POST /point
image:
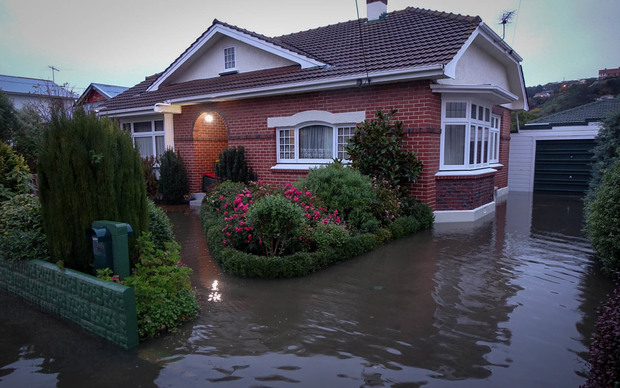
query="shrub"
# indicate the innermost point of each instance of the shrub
(173, 183)
(21, 229)
(164, 297)
(329, 235)
(348, 191)
(14, 173)
(377, 150)
(160, 226)
(152, 185)
(88, 170)
(232, 166)
(276, 222)
(606, 149)
(605, 347)
(603, 218)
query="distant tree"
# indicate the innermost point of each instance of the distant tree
(8, 118)
(606, 149)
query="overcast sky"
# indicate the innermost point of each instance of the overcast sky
(119, 42)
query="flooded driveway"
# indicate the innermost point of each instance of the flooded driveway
(508, 301)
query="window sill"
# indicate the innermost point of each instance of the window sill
(229, 72)
(299, 166)
(480, 171)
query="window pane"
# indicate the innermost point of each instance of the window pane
(456, 109)
(144, 126)
(144, 146)
(126, 127)
(344, 134)
(287, 144)
(474, 108)
(229, 58)
(480, 113)
(472, 145)
(454, 145)
(479, 145)
(485, 145)
(159, 125)
(160, 146)
(487, 115)
(315, 142)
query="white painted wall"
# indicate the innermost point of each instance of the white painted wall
(209, 61)
(523, 151)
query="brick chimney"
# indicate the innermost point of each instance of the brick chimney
(375, 9)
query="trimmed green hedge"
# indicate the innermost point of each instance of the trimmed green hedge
(302, 263)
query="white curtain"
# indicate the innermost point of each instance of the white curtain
(454, 145)
(144, 146)
(315, 142)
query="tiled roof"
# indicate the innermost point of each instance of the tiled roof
(412, 38)
(584, 114)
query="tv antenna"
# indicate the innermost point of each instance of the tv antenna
(53, 70)
(505, 19)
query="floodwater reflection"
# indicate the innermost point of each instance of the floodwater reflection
(507, 301)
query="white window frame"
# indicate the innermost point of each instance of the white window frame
(346, 121)
(153, 134)
(476, 130)
(230, 52)
(294, 131)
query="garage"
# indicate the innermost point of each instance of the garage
(563, 166)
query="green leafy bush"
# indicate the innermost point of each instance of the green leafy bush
(173, 184)
(603, 218)
(14, 173)
(164, 297)
(232, 166)
(377, 150)
(348, 191)
(276, 221)
(152, 185)
(21, 229)
(607, 148)
(88, 170)
(160, 226)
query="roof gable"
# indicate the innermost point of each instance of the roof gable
(219, 29)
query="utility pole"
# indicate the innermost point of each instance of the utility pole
(53, 70)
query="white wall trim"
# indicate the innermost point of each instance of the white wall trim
(444, 216)
(480, 171)
(316, 115)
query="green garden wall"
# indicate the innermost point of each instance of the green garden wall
(104, 308)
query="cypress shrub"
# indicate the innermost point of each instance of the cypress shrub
(88, 170)
(232, 166)
(173, 184)
(14, 173)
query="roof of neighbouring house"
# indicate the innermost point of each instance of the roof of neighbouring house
(32, 86)
(409, 39)
(582, 115)
(107, 91)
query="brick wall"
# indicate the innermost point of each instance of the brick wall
(464, 192)
(245, 122)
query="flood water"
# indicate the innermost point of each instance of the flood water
(508, 301)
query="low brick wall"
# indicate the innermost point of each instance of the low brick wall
(464, 192)
(104, 308)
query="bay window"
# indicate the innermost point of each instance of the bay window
(470, 136)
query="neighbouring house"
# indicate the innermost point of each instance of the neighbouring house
(96, 94)
(24, 91)
(294, 100)
(545, 94)
(609, 73)
(553, 154)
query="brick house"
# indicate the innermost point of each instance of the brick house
(293, 101)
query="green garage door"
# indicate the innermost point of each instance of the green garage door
(563, 166)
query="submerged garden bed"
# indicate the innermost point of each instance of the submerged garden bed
(332, 215)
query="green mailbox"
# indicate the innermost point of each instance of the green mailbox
(111, 246)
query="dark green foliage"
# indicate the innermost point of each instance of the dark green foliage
(8, 118)
(88, 170)
(603, 218)
(606, 149)
(605, 347)
(377, 150)
(164, 297)
(173, 184)
(152, 185)
(232, 166)
(276, 221)
(160, 226)
(349, 192)
(14, 173)
(21, 229)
